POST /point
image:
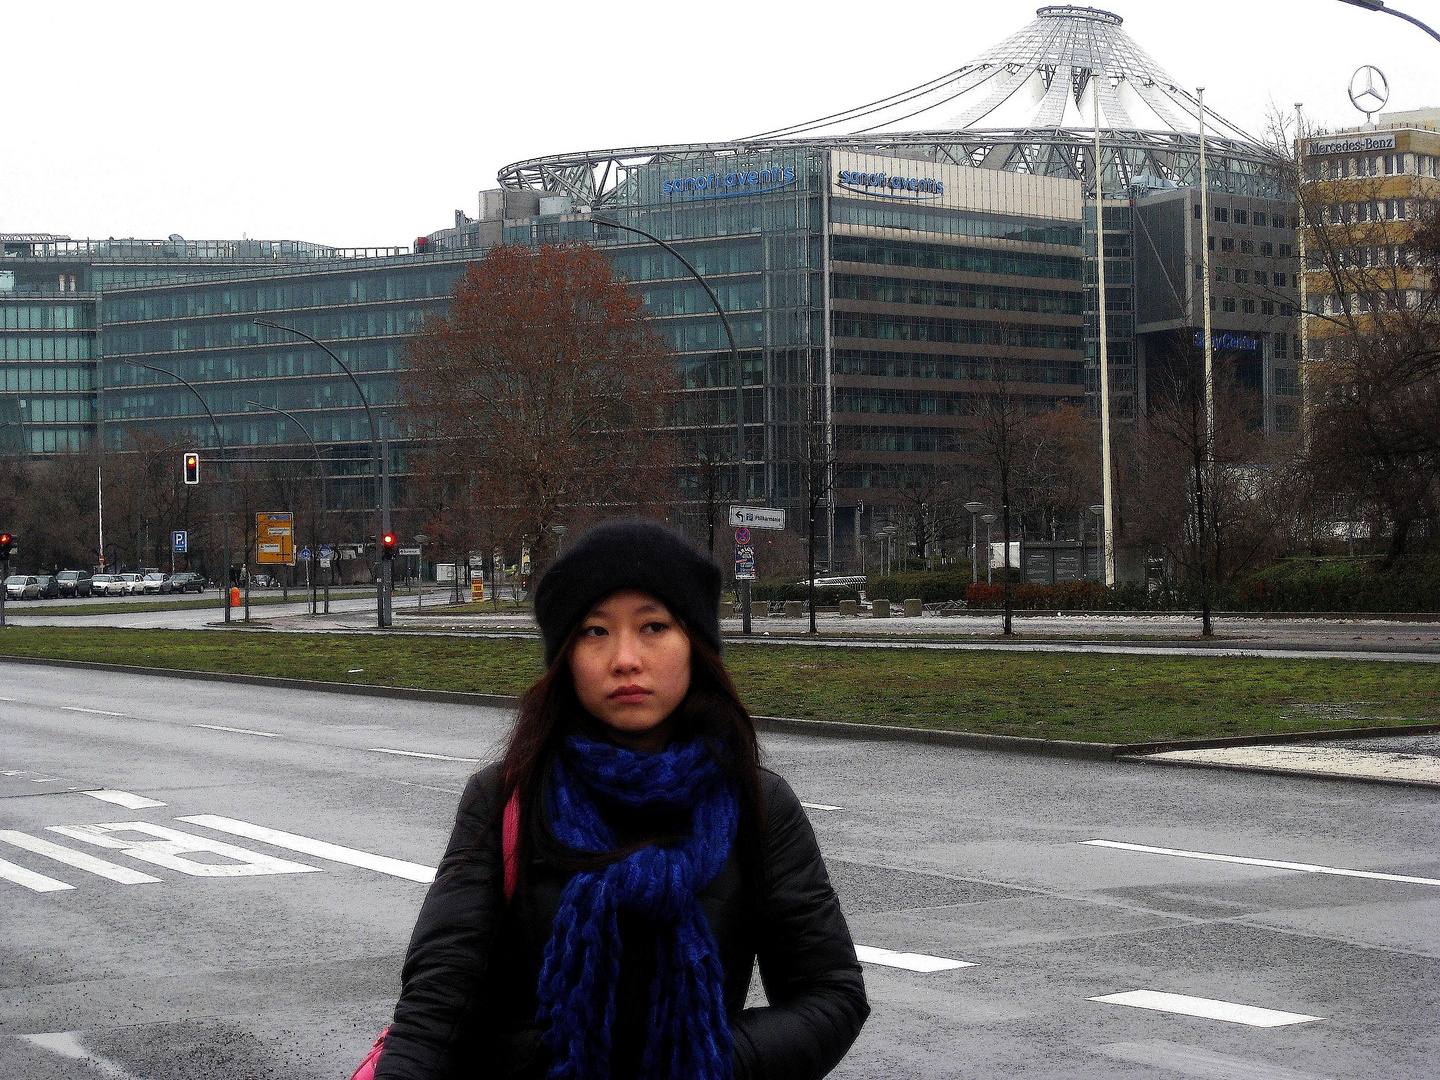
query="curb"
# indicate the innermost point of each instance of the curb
(1307, 774)
(835, 729)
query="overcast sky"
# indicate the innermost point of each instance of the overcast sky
(367, 124)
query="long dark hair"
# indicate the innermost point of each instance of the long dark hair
(550, 711)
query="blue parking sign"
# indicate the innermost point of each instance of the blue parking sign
(179, 541)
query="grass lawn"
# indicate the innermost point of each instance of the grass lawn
(297, 596)
(1059, 696)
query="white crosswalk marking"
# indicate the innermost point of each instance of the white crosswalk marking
(1206, 1008)
(28, 878)
(318, 848)
(909, 961)
(123, 798)
(172, 845)
(125, 875)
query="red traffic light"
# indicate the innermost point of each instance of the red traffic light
(192, 467)
(387, 545)
(7, 545)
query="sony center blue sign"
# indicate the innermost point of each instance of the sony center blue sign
(721, 185)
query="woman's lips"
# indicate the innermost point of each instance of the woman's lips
(629, 695)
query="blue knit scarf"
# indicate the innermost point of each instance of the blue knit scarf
(689, 1036)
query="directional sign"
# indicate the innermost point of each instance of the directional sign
(274, 538)
(179, 541)
(409, 551)
(742, 535)
(305, 554)
(757, 517)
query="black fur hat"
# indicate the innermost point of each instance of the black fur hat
(633, 554)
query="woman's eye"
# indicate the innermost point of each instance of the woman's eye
(656, 627)
(593, 631)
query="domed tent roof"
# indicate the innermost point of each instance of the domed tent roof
(1042, 77)
(1025, 105)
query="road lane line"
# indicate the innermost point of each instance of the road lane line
(93, 712)
(28, 878)
(321, 849)
(123, 798)
(417, 753)
(65, 1044)
(240, 730)
(820, 806)
(908, 960)
(1206, 1008)
(1307, 868)
(172, 845)
(78, 859)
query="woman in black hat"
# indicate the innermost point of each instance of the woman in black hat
(611, 883)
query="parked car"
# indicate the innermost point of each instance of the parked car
(74, 582)
(156, 583)
(49, 587)
(187, 582)
(103, 585)
(131, 584)
(263, 581)
(22, 587)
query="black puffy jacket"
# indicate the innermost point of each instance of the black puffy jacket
(468, 1004)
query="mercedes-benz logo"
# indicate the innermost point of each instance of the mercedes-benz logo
(1369, 90)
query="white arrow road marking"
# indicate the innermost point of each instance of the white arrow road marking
(908, 960)
(417, 753)
(1206, 1008)
(78, 859)
(1308, 868)
(173, 845)
(820, 806)
(123, 798)
(65, 1044)
(321, 849)
(239, 730)
(28, 878)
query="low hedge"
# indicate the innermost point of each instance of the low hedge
(1068, 596)
(1409, 584)
(825, 595)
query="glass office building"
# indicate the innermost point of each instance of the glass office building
(875, 302)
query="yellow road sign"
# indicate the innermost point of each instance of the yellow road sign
(275, 538)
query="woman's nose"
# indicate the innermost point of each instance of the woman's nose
(627, 653)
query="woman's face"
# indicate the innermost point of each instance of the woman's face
(631, 666)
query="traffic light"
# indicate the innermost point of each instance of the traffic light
(387, 546)
(7, 544)
(192, 467)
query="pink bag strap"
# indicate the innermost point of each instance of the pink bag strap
(510, 842)
(366, 1071)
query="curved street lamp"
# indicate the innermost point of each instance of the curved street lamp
(1379, 5)
(742, 490)
(382, 467)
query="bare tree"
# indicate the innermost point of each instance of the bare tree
(550, 385)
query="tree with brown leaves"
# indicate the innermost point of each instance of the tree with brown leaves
(546, 387)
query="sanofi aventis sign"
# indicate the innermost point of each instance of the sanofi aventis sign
(723, 185)
(891, 187)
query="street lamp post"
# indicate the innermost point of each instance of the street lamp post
(224, 481)
(989, 520)
(1379, 5)
(381, 449)
(890, 531)
(974, 508)
(420, 539)
(742, 489)
(311, 569)
(1097, 510)
(559, 531)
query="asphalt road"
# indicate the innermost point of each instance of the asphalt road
(277, 958)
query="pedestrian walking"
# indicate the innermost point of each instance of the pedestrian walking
(610, 884)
